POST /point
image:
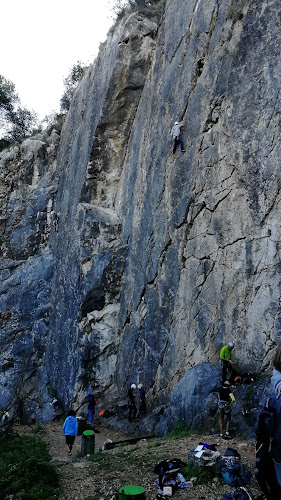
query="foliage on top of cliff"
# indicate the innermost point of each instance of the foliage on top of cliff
(74, 76)
(149, 7)
(16, 122)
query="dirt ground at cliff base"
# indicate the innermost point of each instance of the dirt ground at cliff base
(101, 478)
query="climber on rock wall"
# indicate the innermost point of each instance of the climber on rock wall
(176, 134)
(226, 363)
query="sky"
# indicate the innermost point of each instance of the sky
(40, 41)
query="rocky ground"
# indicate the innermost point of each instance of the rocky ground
(133, 464)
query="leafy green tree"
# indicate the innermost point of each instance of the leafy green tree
(70, 83)
(120, 7)
(8, 96)
(16, 122)
(23, 123)
(8, 99)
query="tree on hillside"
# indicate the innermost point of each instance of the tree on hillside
(23, 123)
(8, 98)
(16, 122)
(122, 6)
(70, 83)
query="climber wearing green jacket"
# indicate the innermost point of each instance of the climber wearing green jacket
(226, 363)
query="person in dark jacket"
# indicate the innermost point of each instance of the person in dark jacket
(132, 403)
(142, 407)
(91, 406)
(268, 430)
(70, 429)
(226, 399)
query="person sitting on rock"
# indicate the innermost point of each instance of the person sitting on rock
(176, 134)
(226, 363)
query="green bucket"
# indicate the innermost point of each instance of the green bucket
(88, 433)
(131, 492)
(88, 443)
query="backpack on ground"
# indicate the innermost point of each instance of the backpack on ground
(167, 471)
(232, 470)
(241, 493)
(167, 465)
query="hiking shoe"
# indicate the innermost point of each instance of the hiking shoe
(183, 150)
(221, 435)
(70, 453)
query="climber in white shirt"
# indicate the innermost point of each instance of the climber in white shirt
(176, 134)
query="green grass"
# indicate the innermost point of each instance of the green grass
(25, 468)
(179, 431)
(107, 462)
(155, 443)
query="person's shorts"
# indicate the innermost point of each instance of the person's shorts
(224, 407)
(69, 439)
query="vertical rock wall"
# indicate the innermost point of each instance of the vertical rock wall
(204, 257)
(159, 258)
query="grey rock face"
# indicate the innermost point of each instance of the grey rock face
(156, 260)
(194, 399)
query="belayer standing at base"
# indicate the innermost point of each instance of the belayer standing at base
(91, 407)
(142, 407)
(176, 134)
(226, 399)
(132, 403)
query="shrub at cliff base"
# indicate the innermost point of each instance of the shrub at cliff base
(25, 469)
(179, 431)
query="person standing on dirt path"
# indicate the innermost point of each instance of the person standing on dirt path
(132, 403)
(91, 406)
(226, 363)
(142, 406)
(70, 430)
(176, 135)
(226, 399)
(268, 432)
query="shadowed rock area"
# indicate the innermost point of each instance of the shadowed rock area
(156, 259)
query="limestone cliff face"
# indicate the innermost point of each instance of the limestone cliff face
(158, 259)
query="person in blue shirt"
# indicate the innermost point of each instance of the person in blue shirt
(70, 429)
